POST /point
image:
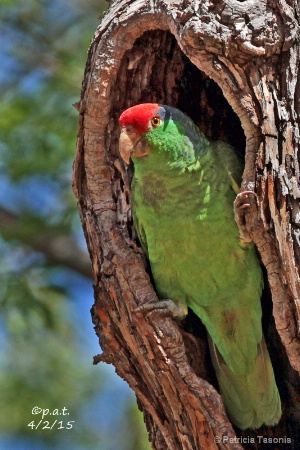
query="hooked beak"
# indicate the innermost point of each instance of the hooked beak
(131, 144)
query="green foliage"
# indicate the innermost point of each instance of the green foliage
(40, 364)
(48, 53)
(43, 362)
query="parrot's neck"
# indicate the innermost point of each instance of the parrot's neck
(167, 160)
(157, 165)
(174, 165)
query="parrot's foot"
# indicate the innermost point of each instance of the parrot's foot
(246, 214)
(163, 308)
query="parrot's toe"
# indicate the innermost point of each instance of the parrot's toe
(242, 200)
(245, 213)
(163, 308)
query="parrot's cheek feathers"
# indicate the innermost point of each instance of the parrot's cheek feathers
(131, 145)
(141, 149)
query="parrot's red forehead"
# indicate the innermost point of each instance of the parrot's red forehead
(139, 116)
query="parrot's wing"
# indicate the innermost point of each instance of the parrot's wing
(232, 163)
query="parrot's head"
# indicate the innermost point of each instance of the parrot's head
(134, 123)
(155, 129)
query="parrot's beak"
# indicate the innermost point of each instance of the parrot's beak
(131, 144)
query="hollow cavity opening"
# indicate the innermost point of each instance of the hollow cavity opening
(156, 70)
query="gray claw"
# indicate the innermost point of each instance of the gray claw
(242, 209)
(163, 308)
(239, 202)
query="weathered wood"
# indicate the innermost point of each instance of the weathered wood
(233, 67)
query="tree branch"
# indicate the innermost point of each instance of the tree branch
(59, 249)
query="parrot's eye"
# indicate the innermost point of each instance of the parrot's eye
(155, 121)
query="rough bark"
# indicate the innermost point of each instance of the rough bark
(233, 67)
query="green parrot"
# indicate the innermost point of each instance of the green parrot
(183, 191)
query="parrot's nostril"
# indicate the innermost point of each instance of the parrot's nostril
(129, 129)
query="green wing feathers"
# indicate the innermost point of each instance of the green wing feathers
(231, 162)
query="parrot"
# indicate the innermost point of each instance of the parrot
(182, 194)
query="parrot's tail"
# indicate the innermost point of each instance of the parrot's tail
(250, 400)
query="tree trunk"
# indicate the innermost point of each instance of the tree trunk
(232, 66)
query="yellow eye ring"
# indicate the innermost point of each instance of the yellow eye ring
(155, 121)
